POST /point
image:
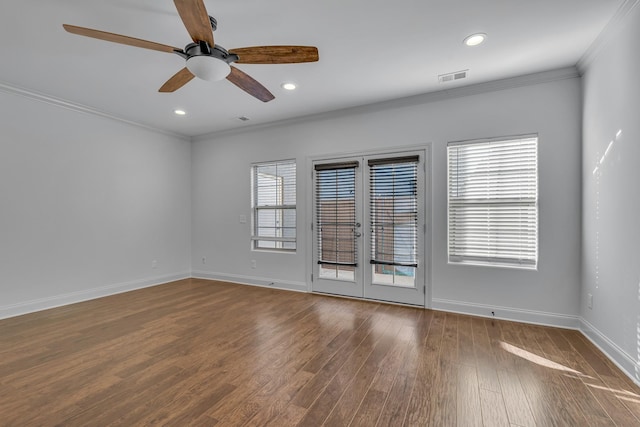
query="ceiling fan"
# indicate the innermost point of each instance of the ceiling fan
(207, 60)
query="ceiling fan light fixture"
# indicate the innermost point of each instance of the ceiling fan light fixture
(208, 68)
(475, 39)
(288, 86)
(179, 112)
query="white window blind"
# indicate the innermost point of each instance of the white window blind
(493, 202)
(274, 205)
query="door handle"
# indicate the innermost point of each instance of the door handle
(357, 234)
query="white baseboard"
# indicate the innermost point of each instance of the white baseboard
(40, 304)
(251, 280)
(508, 313)
(619, 357)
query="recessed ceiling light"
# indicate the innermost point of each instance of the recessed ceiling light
(475, 39)
(288, 86)
(179, 112)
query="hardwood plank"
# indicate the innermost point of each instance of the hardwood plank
(466, 350)
(494, 412)
(469, 410)
(376, 397)
(485, 360)
(279, 402)
(516, 404)
(346, 408)
(420, 407)
(369, 410)
(395, 407)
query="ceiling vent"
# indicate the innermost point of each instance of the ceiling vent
(444, 78)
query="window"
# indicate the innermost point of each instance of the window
(393, 203)
(336, 220)
(274, 205)
(493, 202)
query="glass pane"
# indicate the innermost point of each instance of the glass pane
(394, 215)
(335, 222)
(266, 244)
(337, 272)
(394, 275)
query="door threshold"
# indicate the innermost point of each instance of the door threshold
(402, 304)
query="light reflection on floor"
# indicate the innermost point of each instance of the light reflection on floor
(542, 361)
(537, 359)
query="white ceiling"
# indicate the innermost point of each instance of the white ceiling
(370, 51)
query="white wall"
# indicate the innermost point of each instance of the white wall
(86, 204)
(221, 191)
(611, 196)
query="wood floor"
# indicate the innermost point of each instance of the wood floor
(206, 353)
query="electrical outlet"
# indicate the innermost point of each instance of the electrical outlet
(154, 264)
(253, 263)
(590, 301)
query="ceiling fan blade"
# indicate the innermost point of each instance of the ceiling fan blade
(178, 80)
(196, 20)
(249, 85)
(276, 54)
(117, 38)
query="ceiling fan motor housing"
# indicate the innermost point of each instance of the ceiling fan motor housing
(203, 49)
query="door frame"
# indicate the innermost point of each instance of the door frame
(427, 256)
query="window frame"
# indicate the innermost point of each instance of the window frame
(524, 263)
(279, 208)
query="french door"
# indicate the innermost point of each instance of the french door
(368, 227)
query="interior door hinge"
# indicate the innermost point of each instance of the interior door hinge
(311, 226)
(424, 289)
(312, 277)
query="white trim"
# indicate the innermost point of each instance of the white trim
(458, 92)
(69, 105)
(507, 313)
(287, 285)
(618, 356)
(615, 24)
(46, 303)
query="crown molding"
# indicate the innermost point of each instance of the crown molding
(458, 92)
(69, 105)
(613, 27)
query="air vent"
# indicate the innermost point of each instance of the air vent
(444, 78)
(243, 118)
